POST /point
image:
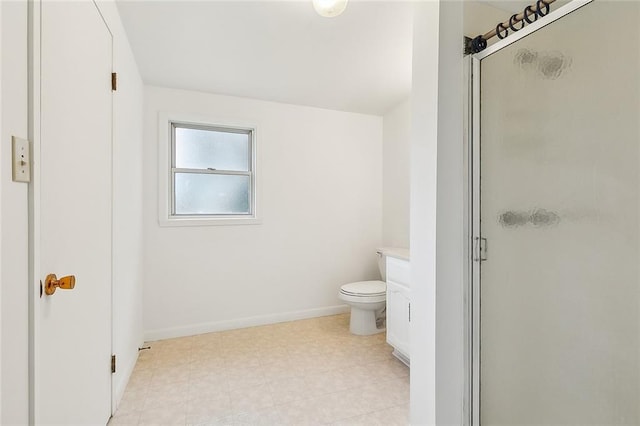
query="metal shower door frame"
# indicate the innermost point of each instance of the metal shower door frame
(472, 407)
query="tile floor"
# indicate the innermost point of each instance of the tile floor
(310, 372)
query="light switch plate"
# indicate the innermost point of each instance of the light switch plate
(21, 160)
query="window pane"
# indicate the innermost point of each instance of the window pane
(203, 149)
(211, 194)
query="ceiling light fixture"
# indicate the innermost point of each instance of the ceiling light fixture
(329, 8)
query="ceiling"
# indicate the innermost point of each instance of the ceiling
(514, 6)
(279, 51)
(517, 6)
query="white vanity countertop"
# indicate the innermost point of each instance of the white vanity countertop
(397, 252)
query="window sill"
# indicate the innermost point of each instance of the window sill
(208, 221)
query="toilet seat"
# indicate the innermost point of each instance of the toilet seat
(364, 291)
(364, 288)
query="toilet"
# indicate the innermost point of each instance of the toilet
(368, 301)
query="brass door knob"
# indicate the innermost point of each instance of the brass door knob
(51, 283)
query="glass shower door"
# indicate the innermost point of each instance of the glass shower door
(559, 207)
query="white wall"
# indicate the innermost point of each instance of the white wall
(14, 319)
(437, 206)
(479, 18)
(127, 208)
(450, 224)
(320, 183)
(424, 154)
(1, 168)
(396, 153)
(14, 333)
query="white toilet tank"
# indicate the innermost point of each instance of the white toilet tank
(382, 264)
(401, 253)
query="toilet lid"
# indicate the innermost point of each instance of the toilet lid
(365, 288)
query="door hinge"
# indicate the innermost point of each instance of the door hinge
(113, 364)
(480, 249)
(114, 81)
(409, 311)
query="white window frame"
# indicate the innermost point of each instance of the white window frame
(165, 172)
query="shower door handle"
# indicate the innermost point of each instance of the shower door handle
(479, 249)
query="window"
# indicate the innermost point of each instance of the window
(211, 174)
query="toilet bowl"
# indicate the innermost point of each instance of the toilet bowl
(368, 301)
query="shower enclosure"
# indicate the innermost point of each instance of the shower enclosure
(556, 221)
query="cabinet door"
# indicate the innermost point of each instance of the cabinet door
(398, 311)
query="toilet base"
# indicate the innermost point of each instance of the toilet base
(363, 322)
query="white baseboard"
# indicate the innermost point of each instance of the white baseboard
(192, 330)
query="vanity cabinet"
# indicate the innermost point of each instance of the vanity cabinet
(398, 307)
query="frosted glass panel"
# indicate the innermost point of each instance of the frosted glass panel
(211, 194)
(560, 162)
(203, 149)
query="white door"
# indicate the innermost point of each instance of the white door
(72, 214)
